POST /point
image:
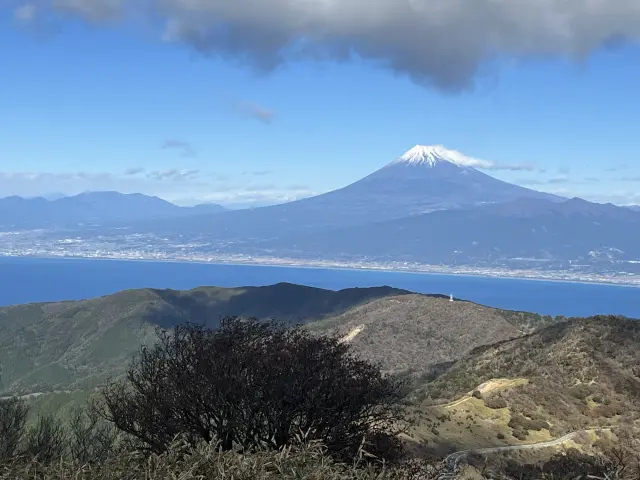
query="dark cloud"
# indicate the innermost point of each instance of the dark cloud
(185, 148)
(435, 42)
(256, 112)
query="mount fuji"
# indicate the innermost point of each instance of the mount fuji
(422, 180)
(428, 178)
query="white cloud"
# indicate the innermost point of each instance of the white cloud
(468, 161)
(237, 196)
(184, 186)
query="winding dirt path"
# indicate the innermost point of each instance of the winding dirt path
(453, 459)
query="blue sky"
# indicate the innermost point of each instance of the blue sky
(93, 103)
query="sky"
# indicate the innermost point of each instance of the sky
(246, 102)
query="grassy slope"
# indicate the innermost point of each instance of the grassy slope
(579, 374)
(56, 346)
(414, 332)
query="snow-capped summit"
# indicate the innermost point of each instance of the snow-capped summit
(425, 155)
(432, 155)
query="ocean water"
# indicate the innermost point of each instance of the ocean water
(25, 280)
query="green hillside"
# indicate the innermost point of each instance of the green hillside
(63, 346)
(58, 346)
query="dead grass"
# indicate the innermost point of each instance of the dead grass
(468, 422)
(308, 461)
(411, 333)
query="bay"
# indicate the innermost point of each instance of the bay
(24, 280)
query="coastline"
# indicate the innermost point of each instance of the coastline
(328, 265)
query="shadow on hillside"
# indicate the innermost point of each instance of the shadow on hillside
(286, 302)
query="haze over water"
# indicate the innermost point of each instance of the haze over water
(24, 280)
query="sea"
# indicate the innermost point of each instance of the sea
(24, 280)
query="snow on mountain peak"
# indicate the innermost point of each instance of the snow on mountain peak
(425, 155)
(431, 155)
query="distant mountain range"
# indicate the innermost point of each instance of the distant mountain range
(91, 208)
(424, 179)
(429, 206)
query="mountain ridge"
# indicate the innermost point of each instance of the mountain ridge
(55, 345)
(91, 207)
(78, 344)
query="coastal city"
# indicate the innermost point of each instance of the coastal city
(148, 247)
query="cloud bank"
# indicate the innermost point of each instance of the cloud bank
(444, 43)
(170, 184)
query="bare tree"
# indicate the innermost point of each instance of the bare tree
(46, 440)
(255, 384)
(90, 439)
(13, 415)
